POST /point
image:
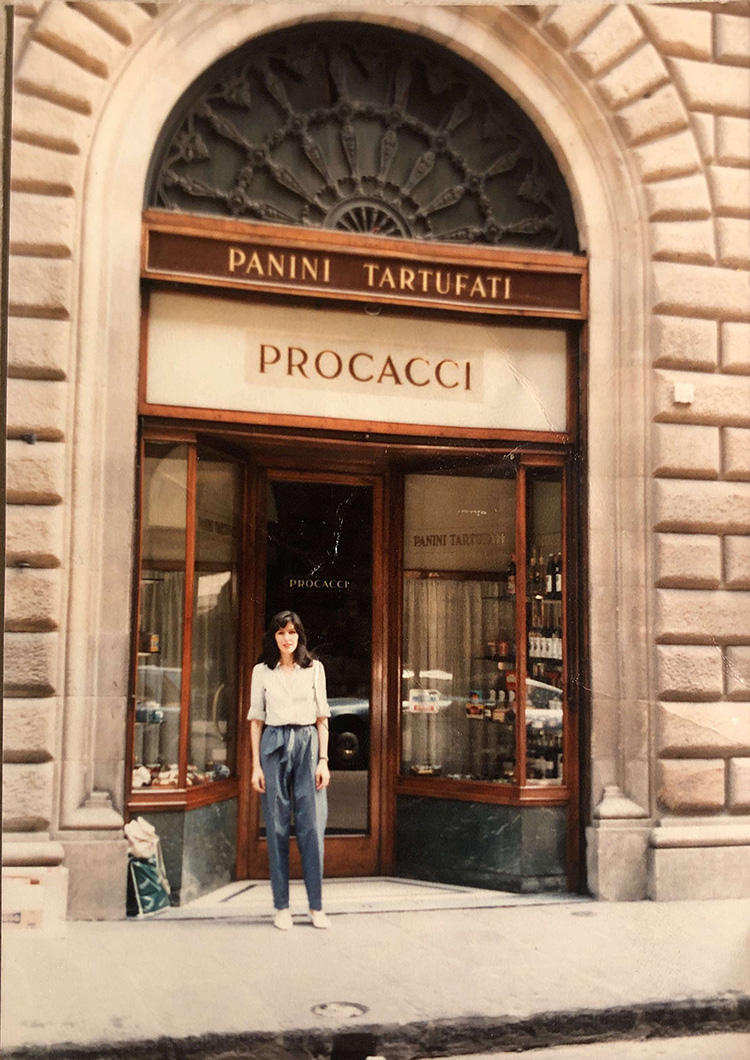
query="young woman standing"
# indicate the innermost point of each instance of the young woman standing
(289, 741)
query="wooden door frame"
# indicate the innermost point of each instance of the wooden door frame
(345, 855)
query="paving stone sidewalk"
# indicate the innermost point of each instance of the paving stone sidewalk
(417, 981)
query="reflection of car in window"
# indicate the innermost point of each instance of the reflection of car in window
(349, 732)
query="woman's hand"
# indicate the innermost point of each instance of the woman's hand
(258, 780)
(322, 776)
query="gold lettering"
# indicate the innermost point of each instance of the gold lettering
(406, 278)
(387, 278)
(237, 257)
(496, 281)
(276, 265)
(389, 370)
(310, 267)
(425, 275)
(442, 289)
(326, 270)
(353, 374)
(254, 264)
(337, 359)
(439, 374)
(407, 371)
(478, 288)
(461, 280)
(263, 358)
(291, 364)
(370, 270)
(292, 266)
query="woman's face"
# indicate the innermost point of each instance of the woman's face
(287, 639)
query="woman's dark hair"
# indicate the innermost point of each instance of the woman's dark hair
(270, 654)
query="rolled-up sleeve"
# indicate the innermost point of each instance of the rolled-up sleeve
(257, 710)
(322, 710)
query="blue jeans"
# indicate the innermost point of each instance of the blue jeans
(289, 758)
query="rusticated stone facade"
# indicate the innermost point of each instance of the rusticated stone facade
(647, 109)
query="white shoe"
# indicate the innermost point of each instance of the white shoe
(283, 920)
(319, 919)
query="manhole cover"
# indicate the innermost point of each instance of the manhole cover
(339, 1009)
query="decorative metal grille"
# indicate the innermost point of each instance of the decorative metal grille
(362, 129)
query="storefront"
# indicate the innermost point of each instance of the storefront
(379, 432)
(353, 310)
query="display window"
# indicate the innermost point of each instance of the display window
(484, 640)
(186, 674)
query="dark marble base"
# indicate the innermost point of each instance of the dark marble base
(199, 847)
(515, 848)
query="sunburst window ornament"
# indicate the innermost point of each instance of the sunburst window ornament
(366, 130)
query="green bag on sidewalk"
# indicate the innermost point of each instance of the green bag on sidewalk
(148, 887)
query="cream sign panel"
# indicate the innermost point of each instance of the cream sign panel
(352, 365)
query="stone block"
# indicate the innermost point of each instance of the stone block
(43, 171)
(568, 23)
(35, 473)
(42, 225)
(29, 729)
(736, 452)
(678, 199)
(616, 860)
(120, 18)
(638, 74)
(32, 599)
(72, 34)
(698, 873)
(734, 241)
(39, 287)
(705, 89)
(737, 564)
(34, 535)
(701, 507)
(735, 347)
(687, 241)
(733, 141)
(51, 75)
(738, 671)
(700, 290)
(691, 784)
(31, 664)
(658, 113)
(689, 671)
(37, 406)
(730, 187)
(739, 784)
(37, 348)
(698, 616)
(704, 130)
(45, 124)
(692, 730)
(686, 451)
(682, 342)
(97, 882)
(27, 796)
(608, 41)
(723, 400)
(733, 39)
(688, 561)
(671, 156)
(678, 31)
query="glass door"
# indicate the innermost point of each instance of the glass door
(320, 560)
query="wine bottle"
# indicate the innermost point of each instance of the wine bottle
(511, 576)
(549, 577)
(558, 576)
